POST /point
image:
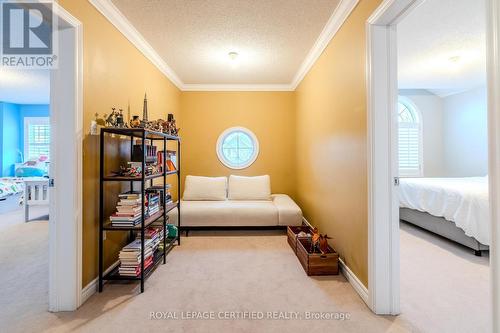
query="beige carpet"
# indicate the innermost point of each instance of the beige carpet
(24, 267)
(444, 286)
(211, 271)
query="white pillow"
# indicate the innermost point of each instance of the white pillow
(205, 188)
(249, 188)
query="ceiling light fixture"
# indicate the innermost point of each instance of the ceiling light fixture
(454, 59)
(233, 56)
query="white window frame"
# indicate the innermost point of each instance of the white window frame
(220, 153)
(413, 108)
(33, 121)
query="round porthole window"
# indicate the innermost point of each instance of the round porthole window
(237, 147)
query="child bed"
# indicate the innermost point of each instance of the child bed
(36, 193)
(26, 192)
(455, 208)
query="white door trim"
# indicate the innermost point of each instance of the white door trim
(382, 96)
(493, 74)
(65, 221)
(383, 212)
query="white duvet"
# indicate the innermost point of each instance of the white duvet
(463, 201)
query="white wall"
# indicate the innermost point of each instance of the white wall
(465, 119)
(431, 108)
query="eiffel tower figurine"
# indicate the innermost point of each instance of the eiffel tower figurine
(145, 109)
(144, 121)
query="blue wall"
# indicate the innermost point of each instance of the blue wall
(12, 132)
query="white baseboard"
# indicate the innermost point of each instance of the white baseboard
(354, 281)
(306, 222)
(91, 288)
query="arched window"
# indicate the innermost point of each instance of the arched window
(410, 139)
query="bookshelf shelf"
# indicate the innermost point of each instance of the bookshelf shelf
(132, 179)
(147, 222)
(138, 185)
(150, 220)
(157, 259)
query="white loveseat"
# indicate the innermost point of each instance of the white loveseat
(234, 202)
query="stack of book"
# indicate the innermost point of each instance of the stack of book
(130, 258)
(128, 210)
(130, 255)
(154, 236)
(153, 203)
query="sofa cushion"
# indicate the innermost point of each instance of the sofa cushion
(226, 214)
(205, 188)
(282, 210)
(249, 188)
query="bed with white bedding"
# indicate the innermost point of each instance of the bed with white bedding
(456, 208)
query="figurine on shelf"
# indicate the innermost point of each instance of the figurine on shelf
(112, 119)
(170, 126)
(135, 122)
(131, 170)
(119, 119)
(145, 121)
(100, 121)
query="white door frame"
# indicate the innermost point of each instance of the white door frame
(493, 74)
(65, 212)
(383, 205)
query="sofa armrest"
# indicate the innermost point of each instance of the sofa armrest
(288, 211)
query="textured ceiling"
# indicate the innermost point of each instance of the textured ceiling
(24, 86)
(433, 33)
(272, 37)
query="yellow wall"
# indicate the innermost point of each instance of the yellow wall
(270, 115)
(116, 74)
(331, 142)
(313, 141)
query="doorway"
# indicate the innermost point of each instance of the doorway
(383, 207)
(62, 136)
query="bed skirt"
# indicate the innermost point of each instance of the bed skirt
(440, 226)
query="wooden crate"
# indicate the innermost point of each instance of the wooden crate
(316, 263)
(292, 233)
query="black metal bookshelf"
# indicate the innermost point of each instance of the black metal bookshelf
(105, 224)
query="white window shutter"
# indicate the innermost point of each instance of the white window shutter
(409, 150)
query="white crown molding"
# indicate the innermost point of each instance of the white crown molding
(237, 87)
(113, 14)
(331, 28)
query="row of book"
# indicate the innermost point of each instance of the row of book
(129, 207)
(130, 255)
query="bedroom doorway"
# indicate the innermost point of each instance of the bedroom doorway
(49, 136)
(24, 192)
(442, 153)
(383, 168)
